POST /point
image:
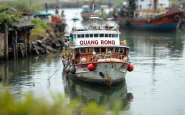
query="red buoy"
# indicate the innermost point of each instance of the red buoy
(130, 67)
(91, 67)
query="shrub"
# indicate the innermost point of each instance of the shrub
(58, 105)
(23, 6)
(38, 32)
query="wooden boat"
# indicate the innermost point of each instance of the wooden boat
(165, 20)
(96, 55)
(99, 11)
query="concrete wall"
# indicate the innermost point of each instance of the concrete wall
(2, 36)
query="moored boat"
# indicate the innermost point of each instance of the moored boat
(154, 19)
(96, 55)
(168, 21)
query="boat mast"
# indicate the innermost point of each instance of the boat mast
(155, 5)
(93, 7)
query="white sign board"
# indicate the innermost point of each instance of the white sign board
(98, 42)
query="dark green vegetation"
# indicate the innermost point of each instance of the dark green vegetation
(25, 7)
(7, 16)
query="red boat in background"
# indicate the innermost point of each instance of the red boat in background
(167, 20)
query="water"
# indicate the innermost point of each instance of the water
(157, 82)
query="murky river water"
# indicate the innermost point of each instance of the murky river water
(157, 82)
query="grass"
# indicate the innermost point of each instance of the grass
(39, 31)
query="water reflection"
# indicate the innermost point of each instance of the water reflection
(30, 74)
(146, 42)
(103, 96)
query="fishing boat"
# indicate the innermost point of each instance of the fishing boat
(98, 10)
(85, 14)
(97, 55)
(155, 19)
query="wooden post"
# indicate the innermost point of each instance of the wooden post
(6, 42)
(6, 77)
(29, 43)
(13, 43)
(25, 43)
(16, 49)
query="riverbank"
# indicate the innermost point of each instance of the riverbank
(51, 42)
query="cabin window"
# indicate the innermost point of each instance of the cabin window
(91, 35)
(122, 50)
(86, 35)
(115, 35)
(109, 35)
(95, 35)
(90, 50)
(74, 36)
(82, 35)
(79, 36)
(110, 49)
(103, 49)
(97, 49)
(106, 35)
(116, 50)
(101, 35)
(82, 50)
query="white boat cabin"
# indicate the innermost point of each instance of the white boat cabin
(96, 38)
(97, 44)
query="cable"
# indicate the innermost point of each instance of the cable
(55, 72)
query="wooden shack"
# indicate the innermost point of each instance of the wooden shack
(19, 38)
(15, 36)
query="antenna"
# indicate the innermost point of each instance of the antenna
(92, 6)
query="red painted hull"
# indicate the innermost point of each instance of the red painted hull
(169, 21)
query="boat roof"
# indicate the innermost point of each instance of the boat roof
(103, 6)
(66, 35)
(85, 6)
(97, 32)
(85, 46)
(94, 17)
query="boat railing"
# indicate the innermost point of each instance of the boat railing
(95, 58)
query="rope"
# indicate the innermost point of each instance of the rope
(55, 72)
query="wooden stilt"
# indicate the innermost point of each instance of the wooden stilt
(29, 43)
(14, 51)
(36, 49)
(22, 51)
(6, 42)
(25, 44)
(16, 48)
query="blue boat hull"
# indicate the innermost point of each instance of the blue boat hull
(153, 27)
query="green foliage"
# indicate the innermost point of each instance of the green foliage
(40, 29)
(92, 108)
(25, 7)
(7, 16)
(59, 105)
